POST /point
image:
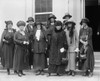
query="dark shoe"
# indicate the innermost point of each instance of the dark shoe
(19, 74)
(8, 71)
(90, 74)
(58, 74)
(42, 72)
(15, 72)
(73, 73)
(69, 73)
(23, 74)
(49, 74)
(84, 74)
(38, 73)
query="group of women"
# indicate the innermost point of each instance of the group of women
(33, 43)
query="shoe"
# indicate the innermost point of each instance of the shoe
(84, 74)
(58, 74)
(38, 73)
(19, 74)
(49, 74)
(15, 72)
(23, 74)
(69, 73)
(90, 74)
(8, 71)
(42, 72)
(73, 73)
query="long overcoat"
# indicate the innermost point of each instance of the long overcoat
(7, 48)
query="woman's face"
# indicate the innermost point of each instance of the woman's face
(58, 27)
(31, 22)
(52, 19)
(67, 18)
(21, 28)
(38, 27)
(69, 25)
(9, 26)
(84, 24)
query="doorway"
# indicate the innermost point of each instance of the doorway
(91, 12)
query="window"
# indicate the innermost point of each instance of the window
(42, 10)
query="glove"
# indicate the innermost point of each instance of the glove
(62, 50)
(24, 42)
(76, 50)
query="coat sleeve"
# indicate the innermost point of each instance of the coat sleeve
(2, 37)
(90, 36)
(65, 41)
(76, 38)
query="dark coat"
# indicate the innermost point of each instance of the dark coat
(21, 52)
(89, 62)
(29, 31)
(58, 40)
(7, 48)
(39, 46)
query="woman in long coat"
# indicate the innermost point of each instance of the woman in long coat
(39, 49)
(58, 45)
(29, 30)
(50, 28)
(21, 51)
(72, 38)
(7, 45)
(85, 37)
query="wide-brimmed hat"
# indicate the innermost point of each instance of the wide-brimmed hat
(84, 20)
(67, 15)
(58, 23)
(51, 16)
(30, 19)
(21, 23)
(8, 22)
(70, 21)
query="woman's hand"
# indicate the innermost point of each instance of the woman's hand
(62, 50)
(26, 42)
(5, 41)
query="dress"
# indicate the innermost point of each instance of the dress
(21, 52)
(89, 62)
(7, 48)
(58, 41)
(71, 49)
(39, 49)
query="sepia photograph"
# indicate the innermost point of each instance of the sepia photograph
(49, 40)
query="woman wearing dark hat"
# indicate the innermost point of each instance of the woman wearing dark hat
(21, 42)
(29, 30)
(39, 46)
(50, 28)
(85, 42)
(7, 45)
(58, 45)
(66, 17)
(72, 38)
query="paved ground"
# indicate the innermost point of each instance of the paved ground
(30, 76)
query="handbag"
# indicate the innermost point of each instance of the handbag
(83, 56)
(64, 61)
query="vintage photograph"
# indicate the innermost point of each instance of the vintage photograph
(49, 40)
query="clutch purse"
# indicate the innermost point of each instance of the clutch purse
(83, 56)
(64, 61)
